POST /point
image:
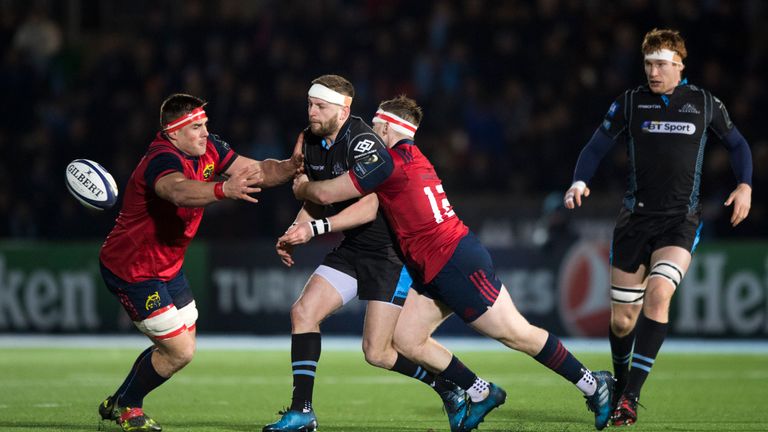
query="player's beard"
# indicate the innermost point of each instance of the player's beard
(325, 129)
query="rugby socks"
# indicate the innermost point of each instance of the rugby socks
(621, 352)
(142, 380)
(410, 369)
(129, 378)
(650, 335)
(476, 387)
(556, 357)
(305, 353)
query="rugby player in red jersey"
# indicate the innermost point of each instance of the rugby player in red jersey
(452, 271)
(142, 257)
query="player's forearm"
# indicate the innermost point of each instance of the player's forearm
(191, 193)
(327, 191)
(590, 157)
(359, 213)
(277, 172)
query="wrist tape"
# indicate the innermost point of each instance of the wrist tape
(320, 226)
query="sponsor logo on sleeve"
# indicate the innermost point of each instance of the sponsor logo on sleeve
(665, 127)
(364, 146)
(367, 165)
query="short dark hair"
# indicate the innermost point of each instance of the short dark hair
(336, 83)
(176, 105)
(657, 39)
(405, 108)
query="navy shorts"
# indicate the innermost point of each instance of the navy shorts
(637, 236)
(141, 299)
(467, 284)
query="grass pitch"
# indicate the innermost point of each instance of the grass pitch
(59, 390)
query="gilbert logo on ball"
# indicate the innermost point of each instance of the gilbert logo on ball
(91, 184)
(584, 289)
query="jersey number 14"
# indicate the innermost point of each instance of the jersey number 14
(439, 215)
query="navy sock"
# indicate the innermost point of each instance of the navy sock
(408, 368)
(458, 373)
(649, 336)
(129, 377)
(142, 380)
(556, 357)
(621, 352)
(305, 353)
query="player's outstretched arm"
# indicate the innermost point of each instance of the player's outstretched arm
(183, 192)
(308, 212)
(325, 192)
(274, 172)
(359, 213)
(741, 199)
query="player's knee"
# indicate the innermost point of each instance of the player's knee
(377, 355)
(182, 356)
(622, 323)
(302, 317)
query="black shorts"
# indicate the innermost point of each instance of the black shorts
(467, 284)
(637, 236)
(380, 275)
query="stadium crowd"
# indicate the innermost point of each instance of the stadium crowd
(512, 90)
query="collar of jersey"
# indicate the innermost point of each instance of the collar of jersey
(343, 131)
(404, 141)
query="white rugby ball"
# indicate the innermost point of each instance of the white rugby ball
(91, 184)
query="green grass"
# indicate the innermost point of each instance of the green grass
(59, 390)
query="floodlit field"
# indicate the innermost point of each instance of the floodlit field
(228, 390)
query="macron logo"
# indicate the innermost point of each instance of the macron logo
(684, 128)
(364, 145)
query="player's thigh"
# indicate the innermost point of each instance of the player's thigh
(506, 324)
(420, 317)
(317, 300)
(382, 277)
(668, 267)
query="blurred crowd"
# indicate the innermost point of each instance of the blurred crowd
(511, 90)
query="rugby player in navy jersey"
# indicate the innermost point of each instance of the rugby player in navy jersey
(365, 264)
(142, 257)
(453, 272)
(665, 124)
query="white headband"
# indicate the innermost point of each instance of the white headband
(663, 54)
(398, 124)
(322, 92)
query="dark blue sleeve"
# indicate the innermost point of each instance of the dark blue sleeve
(372, 170)
(590, 157)
(161, 165)
(741, 155)
(226, 154)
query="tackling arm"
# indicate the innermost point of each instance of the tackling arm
(325, 192)
(359, 213)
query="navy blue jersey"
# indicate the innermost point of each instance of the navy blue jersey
(665, 136)
(356, 147)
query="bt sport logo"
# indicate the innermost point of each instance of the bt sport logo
(684, 128)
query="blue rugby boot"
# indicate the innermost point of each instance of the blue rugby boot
(294, 421)
(455, 405)
(600, 402)
(477, 411)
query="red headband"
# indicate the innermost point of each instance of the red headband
(196, 114)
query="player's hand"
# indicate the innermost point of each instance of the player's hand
(285, 252)
(741, 198)
(297, 158)
(572, 197)
(297, 234)
(298, 189)
(242, 183)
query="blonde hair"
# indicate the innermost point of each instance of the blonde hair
(658, 39)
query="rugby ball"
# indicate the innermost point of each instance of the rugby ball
(91, 184)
